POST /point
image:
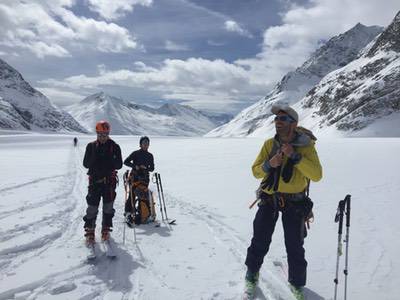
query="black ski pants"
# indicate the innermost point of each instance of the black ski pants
(294, 232)
(96, 191)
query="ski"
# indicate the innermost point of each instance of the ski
(91, 252)
(248, 296)
(173, 222)
(249, 292)
(109, 249)
(297, 292)
(283, 269)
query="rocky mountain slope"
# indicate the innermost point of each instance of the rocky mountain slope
(24, 108)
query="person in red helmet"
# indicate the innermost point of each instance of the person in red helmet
(103, 159)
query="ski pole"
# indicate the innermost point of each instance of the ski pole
(126, 199)
(347, 199)
(162, 193)
(339, 219)
(258, 197)
(123, 234)
(133, 211)
(159, 195)
(253, 203)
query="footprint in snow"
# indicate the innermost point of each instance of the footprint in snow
(63, 288)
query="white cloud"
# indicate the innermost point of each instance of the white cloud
(42, 49)
(171, 46)
(115, 9)
(107, 37)
(218, 101)
(195, 78)
(233, 26)
(287, 46)
(50, 28)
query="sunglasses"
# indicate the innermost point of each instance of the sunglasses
(102, 134)
(284, 118)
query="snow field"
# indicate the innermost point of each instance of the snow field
(208, 186)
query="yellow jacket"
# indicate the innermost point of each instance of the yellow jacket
(308, 167)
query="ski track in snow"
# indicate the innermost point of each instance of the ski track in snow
(227, 236)
(41, 237)
(40, 234)
(18, 186)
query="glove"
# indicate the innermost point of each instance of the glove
(266, 166)
(296, 157)
(288, 169)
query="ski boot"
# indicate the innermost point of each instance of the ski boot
(251, 281)
(297, 291)
(105, 233)
(90, 236)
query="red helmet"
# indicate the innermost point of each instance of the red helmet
(103, 127)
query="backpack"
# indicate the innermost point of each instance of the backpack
(144, 203)
(308, 212)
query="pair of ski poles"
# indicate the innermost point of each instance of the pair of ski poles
(343, 208)
(160, 193)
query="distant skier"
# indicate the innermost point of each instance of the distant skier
(286, 163)
(102, 158)
(142, 162)
(75, 141)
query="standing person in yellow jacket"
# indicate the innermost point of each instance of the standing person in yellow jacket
(285, 164)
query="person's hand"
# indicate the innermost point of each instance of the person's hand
(287, 149)
(276, 160)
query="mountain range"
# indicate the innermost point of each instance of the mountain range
(348, 86)
(130, 118)
(24, 108)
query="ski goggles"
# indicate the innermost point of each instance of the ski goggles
(284, 118)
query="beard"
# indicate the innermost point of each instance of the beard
(282, 131)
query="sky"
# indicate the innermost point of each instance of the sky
(218, 56)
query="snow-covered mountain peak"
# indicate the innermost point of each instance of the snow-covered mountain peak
(389, 40)
(363, 97)
(102, 98)
(132, 118)
(11, 79)
(340, 50)
(171, 109)
(8, 74)
(24, 108)
(335, 53)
